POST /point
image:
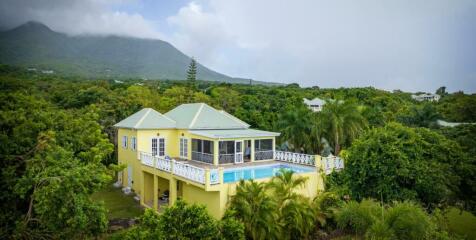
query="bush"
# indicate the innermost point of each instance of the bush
(357, 217)
(409, 221)
(380, 231)
(184, 221)
(231, 228)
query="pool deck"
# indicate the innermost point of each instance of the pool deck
(233, 165)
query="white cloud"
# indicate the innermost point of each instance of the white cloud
(407, 44)
(410, 45)
(78, 17)
(199, 34)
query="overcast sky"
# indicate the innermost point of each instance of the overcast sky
(413, 45)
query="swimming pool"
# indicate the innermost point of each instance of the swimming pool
(257, 172)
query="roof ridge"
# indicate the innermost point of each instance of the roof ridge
(196, 115)
(163, 115)
(233, 117)
(143, 117)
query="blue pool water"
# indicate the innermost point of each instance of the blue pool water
(266, 171)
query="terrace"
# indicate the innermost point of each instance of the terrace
(206, 174)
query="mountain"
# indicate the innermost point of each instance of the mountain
(33, 44)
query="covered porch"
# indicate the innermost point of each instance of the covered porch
(232, 146)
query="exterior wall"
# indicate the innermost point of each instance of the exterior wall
(148, 194)
(144, 141)
(211, 200)
(129, 157)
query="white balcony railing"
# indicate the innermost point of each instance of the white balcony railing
(264, 155)
(298, 158)
(185, 170)
(188, 171)
(331, 163)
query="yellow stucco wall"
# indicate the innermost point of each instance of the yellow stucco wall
(211, 200)
(129, 157)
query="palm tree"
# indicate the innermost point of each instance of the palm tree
(255, 209)
(296, 125)
(342, 122)
(295, 213)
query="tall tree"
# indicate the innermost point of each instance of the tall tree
(296, 125)
(192, 70)
(342, 122)
(441, 91)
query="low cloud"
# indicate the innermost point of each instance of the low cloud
(77, 17)
(402, 44)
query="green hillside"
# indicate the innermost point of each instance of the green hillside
(35, 45)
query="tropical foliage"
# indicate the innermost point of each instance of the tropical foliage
(183, 221)
(411, 164)
(57, 142)
(402, 220)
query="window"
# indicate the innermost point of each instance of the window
(183, 147)
(154, 146)
(202, 146)
(227, 147)
(133, 143)
(158, 147)
(161, 147)
(202, 150)
(124, 141)
(264, 145)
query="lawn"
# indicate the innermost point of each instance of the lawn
(463, 223)
(118, 204)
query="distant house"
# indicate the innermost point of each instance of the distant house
(426, 97)
(47, 71)
(315, 104)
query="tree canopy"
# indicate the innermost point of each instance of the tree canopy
(401, 163)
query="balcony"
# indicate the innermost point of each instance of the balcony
(206, 174)
(182, 169)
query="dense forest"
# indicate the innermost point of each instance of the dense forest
(402, 169)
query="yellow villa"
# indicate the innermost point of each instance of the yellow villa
(198, 153)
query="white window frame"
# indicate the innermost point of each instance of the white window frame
(133, 143)
(124, 142)
(154, 153)
(183, 145)
(158, 151)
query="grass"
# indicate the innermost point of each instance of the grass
(118, 204)
(462, 223)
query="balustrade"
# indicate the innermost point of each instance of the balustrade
(332, 163)
(264, 155)
(202, 157)
(185, 170)
(226, 158)
(298, 158)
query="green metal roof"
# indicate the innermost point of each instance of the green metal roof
(234, 133)
(202, 116)
(146, 118)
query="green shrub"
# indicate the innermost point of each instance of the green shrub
(357, 217)
(231, 228)
(409, 221)
(380, 231)
(187, 221)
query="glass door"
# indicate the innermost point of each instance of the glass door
(238, 151)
